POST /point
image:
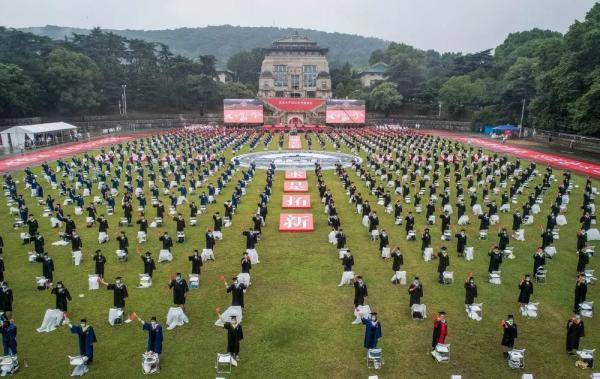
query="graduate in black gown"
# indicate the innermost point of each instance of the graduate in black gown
(495, 259)
(461, 242)
(237, 292)
(415, 292)
(149, 265)
(180, 290)
(62, 296)
(443, 263)
(340, 238)
(6, 299)
(119, 292)
(397, 259)
(509, 334)
(99, 262)
(525, 291)
(235, 334)
(470, 290)
(48, 267)
(575, 330)
(86, 337)
(360, 291)
(196, 260)
(539, 260)
(580, 292)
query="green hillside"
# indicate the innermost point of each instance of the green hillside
(225, 40)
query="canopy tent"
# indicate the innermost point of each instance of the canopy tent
(504, 128)
(23, 136)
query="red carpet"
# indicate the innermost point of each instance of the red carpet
(554, 160)
(32, 158)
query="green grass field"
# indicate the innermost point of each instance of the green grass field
(297, 322)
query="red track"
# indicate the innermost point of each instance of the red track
(32, 158)
(554, 160)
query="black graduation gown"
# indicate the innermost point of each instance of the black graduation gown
(360, 292)
(210, 241)
(348, 262)
(149, 266)
(237, 294)
(580, 294)
(443, 262)
(398, 261)
(250, 239)
(341, 240)
(119, 295)
(582, 260)
(6, 300)
(48, 269)
(62, 297)
(503, 241)
(196, 263)
(179, 290)
(234, 335)
(384, 241)
(538, 261)
(167, 242)
(495, 261)
(461, 242)
(246, 266)
(470, 293)
(574, 332)
(525, 292)
(100, 261)
(76, 243)
(510, 333)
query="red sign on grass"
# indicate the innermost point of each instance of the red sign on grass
(296, 201)
(296, 222)
(294, 143)
(295, 186)
(295, 174)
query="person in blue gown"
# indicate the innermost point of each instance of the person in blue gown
(155, 335)
(372, 331)
(9, 337)
(87, 339)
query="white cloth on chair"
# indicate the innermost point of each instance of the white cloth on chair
(77, 256)
(474, 311)
(530, 310)
(365, 221)
(332, 237)
(226, 316)
(385, 252)
(102, 237)
(253, 254)
(218, 235)
(550, 251)
(141, 236)
(207, 254)
(93, 282)
(399, 276)
(52, 319)
(244, 278)
(427, 254)
(561, 220)
(360, 312)
(114, 314)
(520, 235)
(165, 255)
(176, 317)
(463, 220)
(593, 234)
(477, 210)
(347, 278)
(494, 219)
(469, 252)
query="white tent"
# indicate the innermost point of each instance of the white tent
(33, 135)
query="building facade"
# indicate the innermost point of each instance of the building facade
(295, 67)
(373, 75)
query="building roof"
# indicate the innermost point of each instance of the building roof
(40, 128)
(295, 42)
(380, 68)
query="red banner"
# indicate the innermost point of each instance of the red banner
(345, 111)
(242, 111)
(295, 105)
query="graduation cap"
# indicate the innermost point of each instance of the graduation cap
(510, 317)
(234, 278)
(153, 318)
(83, 321)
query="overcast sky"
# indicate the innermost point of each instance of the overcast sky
(444, 25)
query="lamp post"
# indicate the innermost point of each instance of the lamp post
(522, 116)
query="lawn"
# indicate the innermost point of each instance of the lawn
(297, 322)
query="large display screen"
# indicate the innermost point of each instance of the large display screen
(242, 111)
(345, 111)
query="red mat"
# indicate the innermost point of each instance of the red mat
(32, 158)
(295, 201)
(296, 222)
(554, 160)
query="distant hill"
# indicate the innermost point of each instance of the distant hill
(225, 40)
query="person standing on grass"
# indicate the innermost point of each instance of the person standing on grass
(440, 330)
(372, 331)
(87, 339)
(575, 330)
(360, 291)
(509, 334)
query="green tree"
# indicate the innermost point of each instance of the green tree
(385, 98)
(235, 90)
(72, 81)
(246, 65)
(459, 92)
(16, 91)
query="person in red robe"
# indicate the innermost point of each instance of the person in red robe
(440, 330)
